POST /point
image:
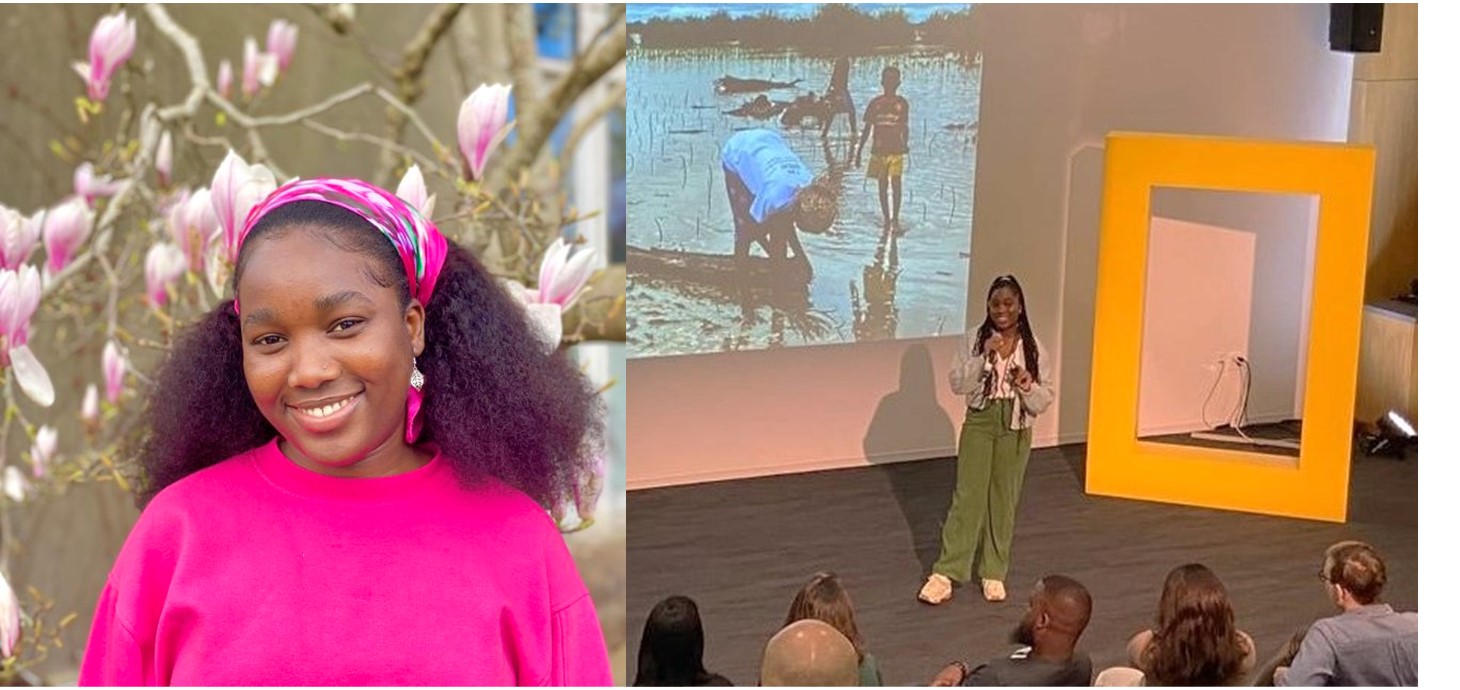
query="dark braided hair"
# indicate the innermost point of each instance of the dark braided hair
(1026, 335)
(495, 404)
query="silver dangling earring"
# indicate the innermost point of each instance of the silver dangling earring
(418, 380)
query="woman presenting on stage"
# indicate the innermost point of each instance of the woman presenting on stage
(998, 369)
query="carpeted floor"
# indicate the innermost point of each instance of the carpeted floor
(741, 549)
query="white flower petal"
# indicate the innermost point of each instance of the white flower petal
(15, 484)
(548, 322)
(32, 376)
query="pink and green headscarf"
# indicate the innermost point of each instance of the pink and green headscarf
(421, 246)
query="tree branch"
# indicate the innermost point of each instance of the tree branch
(418, 51)
(520, 34)
(536, 124)
(399, 149)
(250, 122)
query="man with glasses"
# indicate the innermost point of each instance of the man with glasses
(1369, 643)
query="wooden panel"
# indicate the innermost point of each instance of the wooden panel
(1386, 115)
(1388, 366)
(1398, 56)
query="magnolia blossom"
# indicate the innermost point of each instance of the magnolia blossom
(164, 264)
(20, 295)
(480, 124)
(66, 228)
(412, 190)
(561, 279)
(113, 368)
(164, 158)
(225, 79)
(281, 40)
(18, 236)
(90, 407)
(112, 42)
(42, 451)
(16, 487)
(194, 226)
(9, 605)
(260, 69)
(91, 186)
(546, 319)
(237, 188)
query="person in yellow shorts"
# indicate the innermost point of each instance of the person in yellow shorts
(886, 121)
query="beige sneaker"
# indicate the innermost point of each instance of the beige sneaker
(993, 590)
(936, 590)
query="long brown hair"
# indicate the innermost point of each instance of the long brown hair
(823, 598)
(1195, 640)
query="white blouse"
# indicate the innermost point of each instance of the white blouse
(1004, 388)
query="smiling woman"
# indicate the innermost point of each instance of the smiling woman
(349, 464)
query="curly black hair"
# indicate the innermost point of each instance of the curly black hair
(494, 402)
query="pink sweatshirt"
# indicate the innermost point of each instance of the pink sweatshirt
(259, 572)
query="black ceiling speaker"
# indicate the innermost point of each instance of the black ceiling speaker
(1355, 27)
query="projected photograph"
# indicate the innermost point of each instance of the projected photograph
(798, 174)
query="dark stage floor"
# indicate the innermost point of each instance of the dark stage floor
(741, 549)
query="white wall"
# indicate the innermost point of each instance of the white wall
(1056, 79)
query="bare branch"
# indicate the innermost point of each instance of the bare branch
(520, 34)
(192, 57)
(250, 121)
(538, 122)
(414, 118)
(418, 51)
(399, 149)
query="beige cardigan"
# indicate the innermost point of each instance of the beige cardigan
(968, 375)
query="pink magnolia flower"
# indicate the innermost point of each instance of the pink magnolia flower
(164, 158)
(20, 296)
(113, 369)
(260, 69)
(282, 38)
(18, 236)
(412, 190)
(480, 124)
(164, 264)
(112, 42)
(194, 226)
(65, 229)
(225, 79)
(237, 187)
(91, 186)
(42, 451)
(560, 279)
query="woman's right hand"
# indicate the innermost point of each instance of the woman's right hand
(992, 346)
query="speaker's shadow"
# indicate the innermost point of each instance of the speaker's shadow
(909, 423)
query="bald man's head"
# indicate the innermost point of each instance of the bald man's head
(809, 652)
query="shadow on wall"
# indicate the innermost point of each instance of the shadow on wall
(910, 417)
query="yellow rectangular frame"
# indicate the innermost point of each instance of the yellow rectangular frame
(1118, 464)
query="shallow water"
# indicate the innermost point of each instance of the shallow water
(915, 279)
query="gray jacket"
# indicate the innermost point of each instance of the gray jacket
(967, 378)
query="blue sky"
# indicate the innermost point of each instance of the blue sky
(639, 12)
